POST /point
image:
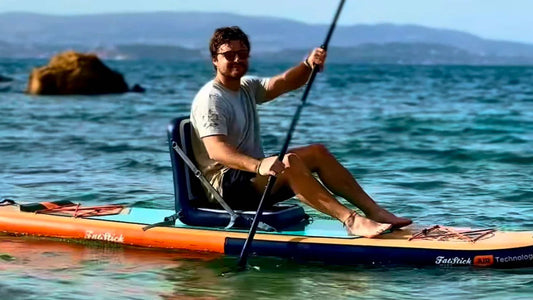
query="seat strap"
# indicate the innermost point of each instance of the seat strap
(206, 183)
(170, 220)
(216, 194)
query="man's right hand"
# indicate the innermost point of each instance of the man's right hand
(270, 166)
(317, 57)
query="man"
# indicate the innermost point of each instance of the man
(227, 145)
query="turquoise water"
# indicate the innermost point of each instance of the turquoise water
(449, 145)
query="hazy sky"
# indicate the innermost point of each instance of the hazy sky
(494, 19)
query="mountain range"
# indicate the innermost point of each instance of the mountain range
(185, 36)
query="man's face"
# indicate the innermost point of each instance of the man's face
(232, 60)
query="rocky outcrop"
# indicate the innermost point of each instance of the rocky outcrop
(75, 73)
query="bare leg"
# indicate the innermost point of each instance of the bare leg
(306, 188)
(339, 180)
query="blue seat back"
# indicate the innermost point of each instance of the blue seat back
(188, 192)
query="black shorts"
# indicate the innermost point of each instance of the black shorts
(238, 190)
(240, 193)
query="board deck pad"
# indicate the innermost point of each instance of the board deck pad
(316, 228)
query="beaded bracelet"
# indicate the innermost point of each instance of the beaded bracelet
(307, 64)
(258, 166)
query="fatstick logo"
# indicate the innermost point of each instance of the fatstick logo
(106, 236)
(442, 260)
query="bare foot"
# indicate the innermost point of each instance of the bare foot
(361, 226)
(386, 217)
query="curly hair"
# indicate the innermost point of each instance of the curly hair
(225, 35)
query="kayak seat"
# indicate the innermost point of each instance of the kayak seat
(190, 198)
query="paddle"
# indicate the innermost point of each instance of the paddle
(272, 179)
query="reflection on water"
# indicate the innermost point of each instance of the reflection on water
(92, 268)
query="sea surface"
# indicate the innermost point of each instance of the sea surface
(449, 145)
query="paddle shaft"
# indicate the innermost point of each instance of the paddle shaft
(272, 179)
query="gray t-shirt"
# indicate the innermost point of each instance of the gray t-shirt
(217, 110)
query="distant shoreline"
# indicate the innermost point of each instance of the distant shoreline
(178, 36)
(367, 54)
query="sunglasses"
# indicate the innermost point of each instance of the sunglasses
(230, 55)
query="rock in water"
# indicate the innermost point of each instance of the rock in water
(75, 73)
(137, 88)
(5, 79)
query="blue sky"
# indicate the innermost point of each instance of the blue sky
(494, 19)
